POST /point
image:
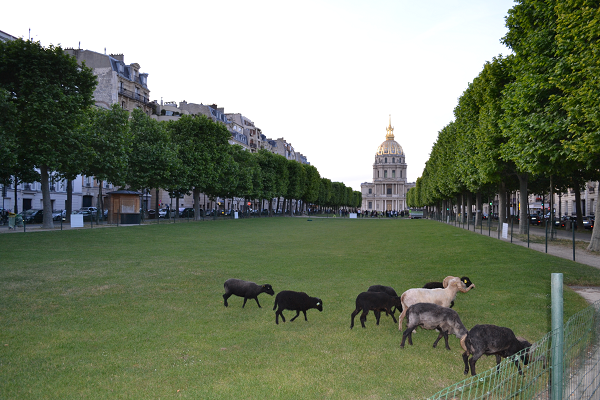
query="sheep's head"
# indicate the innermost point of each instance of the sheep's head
(447, 280)
(467, 281)
(463, 344)
(527, 346)
(319, 304)
(268, 289)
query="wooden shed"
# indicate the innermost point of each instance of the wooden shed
(124, 207)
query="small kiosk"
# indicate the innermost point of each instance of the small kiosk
(124, 207)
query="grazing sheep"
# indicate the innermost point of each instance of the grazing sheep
(375, 301)
(493, 340)
(295, 301)
(390, 291)
(245, 289)
(440, 285)
(432, 316)
(441, 297)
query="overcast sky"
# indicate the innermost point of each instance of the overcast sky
(324, 75)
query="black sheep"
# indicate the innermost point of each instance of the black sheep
(245, 289)
(376, 302)
(440, 285)
(385, 289)
(493, 340)
(432, 316)
(295, 301)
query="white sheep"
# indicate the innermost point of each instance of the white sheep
(441, 297)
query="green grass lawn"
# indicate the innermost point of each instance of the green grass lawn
(137, 312)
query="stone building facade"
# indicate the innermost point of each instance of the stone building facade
(388, 190)
(118, 83)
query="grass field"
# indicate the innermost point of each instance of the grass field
(137, 312)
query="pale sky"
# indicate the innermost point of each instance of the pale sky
(324, 75)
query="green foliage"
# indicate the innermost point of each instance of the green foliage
(153, 153)
(109, 143)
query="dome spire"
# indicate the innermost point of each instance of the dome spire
(390, 130)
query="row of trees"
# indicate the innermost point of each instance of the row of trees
(50, 130)
(529, 121)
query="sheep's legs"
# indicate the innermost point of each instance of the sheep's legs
(445, 335)
(407, 333)
(363, 317)
(354, 314)
(297, 313)
(225, 297)
(277, 314)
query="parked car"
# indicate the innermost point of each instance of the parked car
(88, 213)
(588, 222)
(187, 212)
(535, 220)
(58, 215)
(162, 213)
(32, 216)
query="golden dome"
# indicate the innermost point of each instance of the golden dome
(390, 146)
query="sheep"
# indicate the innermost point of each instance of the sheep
(493, 340)
(245, 289)
(441, 297)
(375, 301)
(440, 285)
(385, 289)
(432, 316)
(296, 301)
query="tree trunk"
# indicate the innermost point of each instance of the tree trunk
(100, 203)
(578, 207)
(196, 200)
(45, 181)
(523, 202)
(16, 203)
(478, 211)
(469, 207)
(156, 203)
(595, 239)
(69, 205)
(501, 205)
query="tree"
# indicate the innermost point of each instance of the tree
(109, 144)
(153, 154)
(312, 185)
(535, 121)
(296, 182)
(576, 74)
(50, 93)
(203, 151)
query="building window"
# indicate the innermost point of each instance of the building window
(123, 105)
(370, 191)
(389, 190)
(393, 160)
(385, 160)
(370, 205)
(385, 173)
(393, 173)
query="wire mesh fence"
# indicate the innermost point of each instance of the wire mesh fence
(580, 364)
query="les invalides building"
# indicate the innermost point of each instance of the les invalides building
(388, 190)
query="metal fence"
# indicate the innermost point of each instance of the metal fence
(580, 367)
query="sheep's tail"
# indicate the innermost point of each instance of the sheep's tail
(275, 305)
(463, 344)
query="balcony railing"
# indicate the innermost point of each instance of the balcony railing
(135, 96)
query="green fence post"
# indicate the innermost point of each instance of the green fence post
(557, 336)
